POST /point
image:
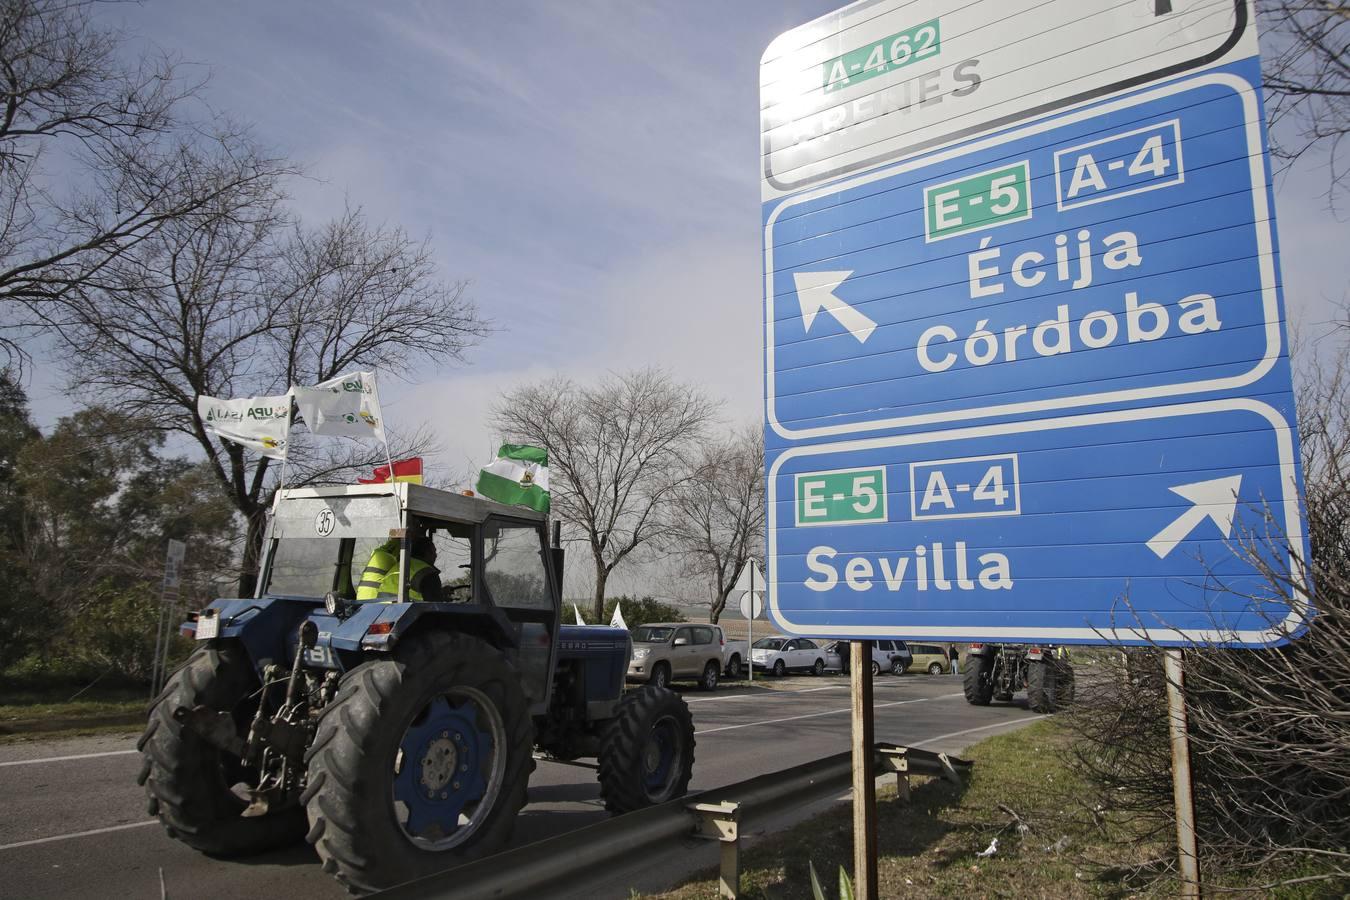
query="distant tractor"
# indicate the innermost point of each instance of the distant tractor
(997, 671)
(397, 737)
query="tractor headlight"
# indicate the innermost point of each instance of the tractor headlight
(336, 605)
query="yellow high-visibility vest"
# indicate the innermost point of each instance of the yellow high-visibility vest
(383, 560)
(389, 586)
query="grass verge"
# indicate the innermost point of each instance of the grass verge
(27, 709)
(1022, 793)
(929, 847)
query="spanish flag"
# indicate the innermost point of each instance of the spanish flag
(404, 470)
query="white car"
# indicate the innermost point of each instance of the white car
(781, 655)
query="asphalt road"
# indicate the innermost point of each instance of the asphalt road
(73, 820)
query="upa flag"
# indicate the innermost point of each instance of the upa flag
(262, 424)
(346, 406)
(580, 620)
(518, 476)
(616, 620)
(404, 470)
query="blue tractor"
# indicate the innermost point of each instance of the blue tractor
(398, 737)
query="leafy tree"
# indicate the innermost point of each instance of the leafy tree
(23, 616)
(98, 504)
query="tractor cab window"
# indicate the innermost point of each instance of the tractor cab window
(513, 566)
(311, 567)
(454, 559)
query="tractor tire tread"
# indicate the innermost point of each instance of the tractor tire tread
(189, 798)
(346, 793)
(622, 743)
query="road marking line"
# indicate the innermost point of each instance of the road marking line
(48, 759)
(77, 834)
(828, 712)
(776, 692)
(943, 737)
(828, 687)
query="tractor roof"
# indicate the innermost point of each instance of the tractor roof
(415, 498)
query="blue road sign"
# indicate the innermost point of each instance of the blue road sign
(1068, 529)
(1030, 383)
(1138, 265)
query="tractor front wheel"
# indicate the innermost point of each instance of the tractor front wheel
(198, 790)
(420, 763)
(647, 751)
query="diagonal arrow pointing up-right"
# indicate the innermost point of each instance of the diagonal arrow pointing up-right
(1214, 499)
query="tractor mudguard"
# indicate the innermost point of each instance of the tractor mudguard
(264, 626)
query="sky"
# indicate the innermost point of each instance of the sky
(590, 167)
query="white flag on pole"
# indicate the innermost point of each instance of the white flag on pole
(580, 621)
(346, 406)
(262, 424)
(616, 620)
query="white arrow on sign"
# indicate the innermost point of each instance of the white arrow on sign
(1214, 499)
(815, 291)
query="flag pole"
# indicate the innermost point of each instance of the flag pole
(375, 389)
(286, 451)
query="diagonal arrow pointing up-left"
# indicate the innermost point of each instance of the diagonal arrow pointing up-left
(815, 291)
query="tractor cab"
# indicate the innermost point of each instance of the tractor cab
(496, 577)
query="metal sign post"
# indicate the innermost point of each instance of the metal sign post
(864, 774)
(1188, 858)
(752, 605)
(168, 605)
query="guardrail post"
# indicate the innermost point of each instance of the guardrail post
(894, 759)
(717, 822)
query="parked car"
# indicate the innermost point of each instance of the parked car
(781, 655)
(930, 658)
(673, 651)
(887, 656)
(734, 654)
(892, 656)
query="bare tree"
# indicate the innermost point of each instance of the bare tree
(238, 300)
(1306, 68)
(617, 451)
(717, 515)
(94, 156)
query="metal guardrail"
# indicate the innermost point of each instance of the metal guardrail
(717, 813)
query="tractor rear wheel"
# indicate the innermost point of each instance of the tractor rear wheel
(647, 750)
(420, 763)
(977, 681)
(197, 789)
(1049, 685)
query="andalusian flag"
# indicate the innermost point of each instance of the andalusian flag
(518, 476)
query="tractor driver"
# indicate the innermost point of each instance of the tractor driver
(424, 579)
